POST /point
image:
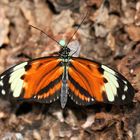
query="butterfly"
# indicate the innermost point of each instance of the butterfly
(64, 76)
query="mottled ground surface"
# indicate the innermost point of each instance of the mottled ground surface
(110, 34)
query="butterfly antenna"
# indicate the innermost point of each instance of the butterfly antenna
(77, 28)
(46, 34)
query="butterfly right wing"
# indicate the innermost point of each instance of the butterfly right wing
(91, 82)
(38, 80)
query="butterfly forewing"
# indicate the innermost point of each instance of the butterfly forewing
(38, 80)
(91, 82)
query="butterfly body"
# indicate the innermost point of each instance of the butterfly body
(61, 77)
(64, 89)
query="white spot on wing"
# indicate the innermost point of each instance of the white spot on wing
(20, 66)
(112, 80)
(125, 81)
(108, 69)
(16, 75)
(1, 83)
(3, 92)
(109, 92)
(18, 88)
(2, 76)
(125, 88)
(16, 82)
(123, 97)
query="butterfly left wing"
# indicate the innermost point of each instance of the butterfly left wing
(91, 82)
(38, 80)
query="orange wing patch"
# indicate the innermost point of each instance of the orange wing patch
(51, 92)
(39, 76)
(86, 76)
(77, 92)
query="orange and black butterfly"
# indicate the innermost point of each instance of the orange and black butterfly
(64, 76)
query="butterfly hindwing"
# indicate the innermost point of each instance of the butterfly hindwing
(38, 80)
(91, 82)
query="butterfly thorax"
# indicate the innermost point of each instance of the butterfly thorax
(64, 52)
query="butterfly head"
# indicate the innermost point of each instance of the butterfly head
(64, 51)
